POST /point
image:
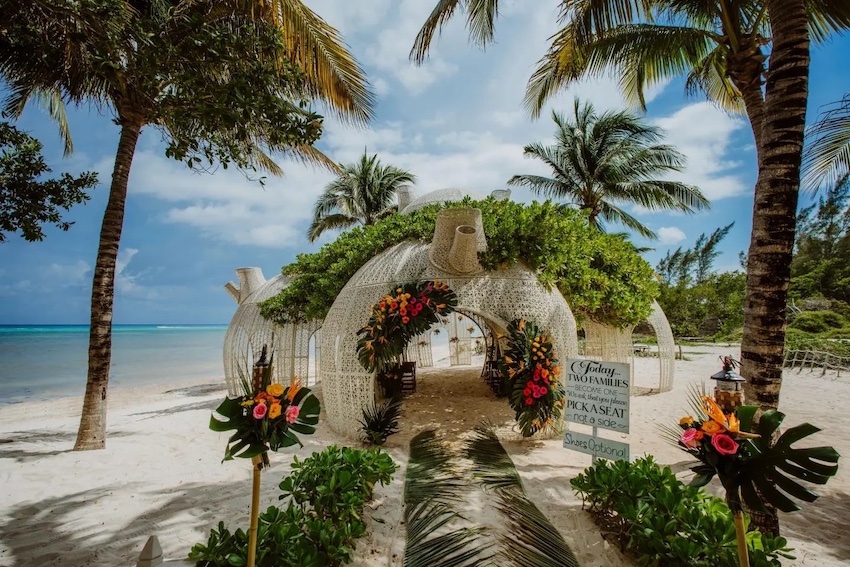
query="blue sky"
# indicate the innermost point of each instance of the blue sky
(456, 121)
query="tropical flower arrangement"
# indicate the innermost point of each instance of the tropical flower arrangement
(532, 370)
(266, 416)
(749, 465)
(406, 311)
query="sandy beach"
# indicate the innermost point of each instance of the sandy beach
(161, 472)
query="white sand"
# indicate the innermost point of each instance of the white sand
(161, 472)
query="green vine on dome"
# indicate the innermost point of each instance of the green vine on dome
(600, 275)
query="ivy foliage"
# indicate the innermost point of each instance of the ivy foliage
(600, 275)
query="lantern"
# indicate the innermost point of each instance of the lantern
(728, 392)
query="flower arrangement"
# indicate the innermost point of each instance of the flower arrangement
(400, 315)
(266, 416)
(750, 465)
(534, 389)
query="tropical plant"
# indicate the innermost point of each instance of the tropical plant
(381, 420)
(319, 527)
(361, 193)
(220, 80)
(826, 158)
(432, 490)
(26, 200)
(266, 416)
(661, 521)
(600, 161)
(530, 540)
(751, 466)
(721, 48)
(599, 274)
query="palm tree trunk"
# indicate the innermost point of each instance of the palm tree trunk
(92, 431)
(775, 208)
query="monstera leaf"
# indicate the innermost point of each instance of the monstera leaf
(770, 473)
(251, 439)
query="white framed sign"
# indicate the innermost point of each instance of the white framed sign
(597, 393)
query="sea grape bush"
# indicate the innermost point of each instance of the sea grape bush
(321, 522)
(663, 522)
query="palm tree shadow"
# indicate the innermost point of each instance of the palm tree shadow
(823, 522)
(69, 530)
(23, 455)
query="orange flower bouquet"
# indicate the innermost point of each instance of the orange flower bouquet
(266, 416)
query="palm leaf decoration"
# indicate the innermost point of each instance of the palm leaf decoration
(772, 470)
(530, 540)
(433, 488)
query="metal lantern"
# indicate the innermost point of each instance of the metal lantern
(727, 379)
(728, 393)
(259, 370)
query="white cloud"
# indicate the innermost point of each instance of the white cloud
(127, 284)
(703, 133)
(466, 131)
(670, 235)
(69, 274)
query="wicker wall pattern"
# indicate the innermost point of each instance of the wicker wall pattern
(666, 347)
(249, 331)
(497, 297)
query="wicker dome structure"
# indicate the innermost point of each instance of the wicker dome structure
(248, 332)
(489, 298)
(494, 297)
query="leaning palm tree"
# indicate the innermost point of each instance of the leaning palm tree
(826, 160)
(600, 161)
(223, 81)
(362, 192)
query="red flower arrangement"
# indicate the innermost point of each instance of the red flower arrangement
(405, 312)
(533, 372)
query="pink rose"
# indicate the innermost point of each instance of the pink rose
(724, 444)
(260, 411)
(291, 414)
(690, 438)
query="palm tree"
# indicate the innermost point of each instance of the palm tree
(826, 159)
(720, 47)
(150, 63)
(599, 160)
(362, 192)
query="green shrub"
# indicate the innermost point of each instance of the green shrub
(818, 321)
(663, 522)
(599, 274)
(380, 421)
(337, 482)
(320, 524)
(795, 339)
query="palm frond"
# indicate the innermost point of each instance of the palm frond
(438, 17)
(431, 472)
(530, 539)
(331, 72)
(826, 157)
(432, 489)
(329, 222)
(827, 17)
(613, 213)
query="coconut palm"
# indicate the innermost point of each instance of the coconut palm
(221, 80)
(720, 47)
(362, 192)
(602, 160)
(826, 160)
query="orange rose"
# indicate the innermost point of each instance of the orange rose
(686, 421)
(712, 427)
(274, 411)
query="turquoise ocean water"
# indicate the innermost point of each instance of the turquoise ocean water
(53, 359)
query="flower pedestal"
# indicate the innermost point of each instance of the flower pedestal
(741, 533)
(257, 462)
